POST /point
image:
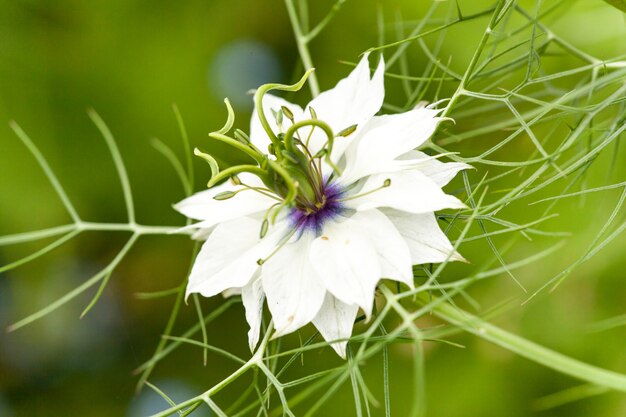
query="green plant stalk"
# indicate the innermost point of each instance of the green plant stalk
(188, 151)
(79, 289)
(303, 47)
(256, 361)
(525, 348)
(474, 61)
(41, 160)
(180, 295)
(176, 342)
(117, 160)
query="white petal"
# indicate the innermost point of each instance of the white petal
(202, 205)
(353, 101)
(335, 321)
(293, 289)
(229, 292)
(384, 138)
(441, 173)
(228, 258)
(347, 262)
(393, 252)
(258, 135)
(409, 191)
(427, 242)
(252, 296)
(199, 233)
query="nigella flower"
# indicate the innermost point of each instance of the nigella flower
(340, 200)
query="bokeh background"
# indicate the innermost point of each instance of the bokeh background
(131, 60)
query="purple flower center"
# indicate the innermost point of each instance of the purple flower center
(312, 219)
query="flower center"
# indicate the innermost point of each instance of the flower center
(311, 217)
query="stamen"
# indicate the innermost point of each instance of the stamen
(347, 131)
(265, 191)
(264, 226)
(265, 219)
(284, 241)
(287, 113)
(278, 117)
(386, 183)
(225, 195)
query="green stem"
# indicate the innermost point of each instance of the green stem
(56, 184)
(256, 361)
(41, 252)
(36, 235)
(78, 290)
(126, 227)
(163, 341)
(431, 31)
(323, 23)
(185, 138)
(523, 347)
(303, 47)
(119, 163)
(160, 354)
(82, 226)
(474, 61)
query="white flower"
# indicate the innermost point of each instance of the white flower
(363, 210)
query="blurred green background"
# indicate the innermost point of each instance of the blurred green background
(131, 60)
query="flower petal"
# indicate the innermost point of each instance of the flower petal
(427, 243)
(203, 206)
(228, 258)
(335, 321)
(409, 191)
(353, 101)
(440, 172)
(230, 292)
(347, 262)
(271, 103)
(252, 296)
(386, 137)
(393, 253)
(293, 289)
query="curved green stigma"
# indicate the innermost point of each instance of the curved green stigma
(291, 172)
